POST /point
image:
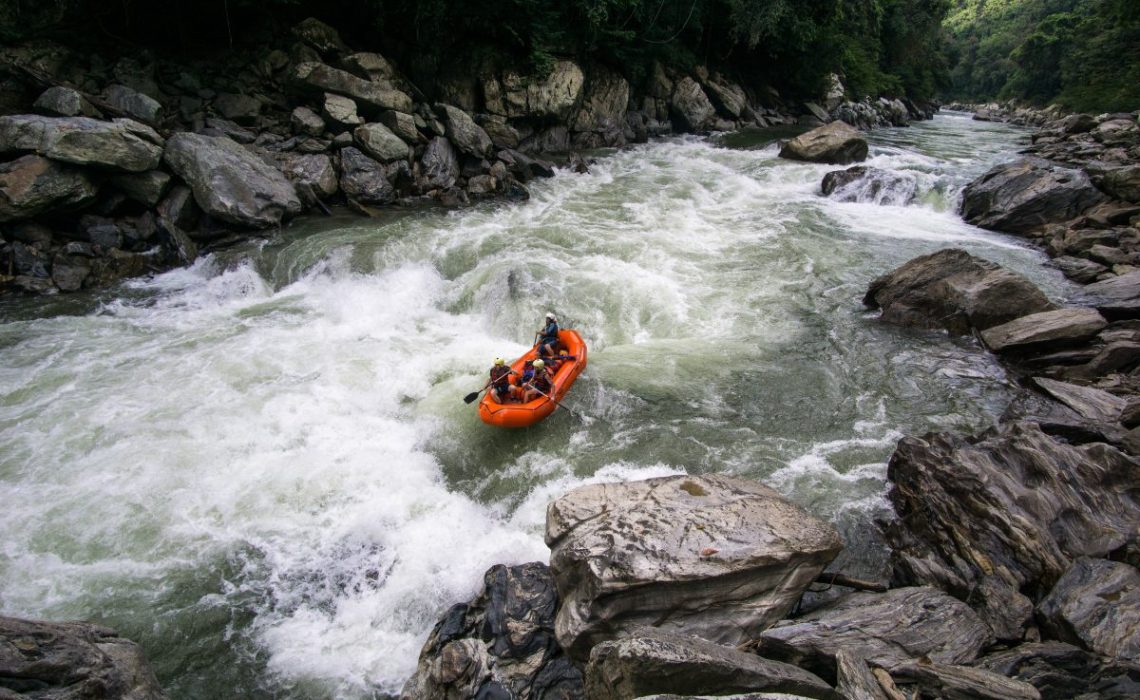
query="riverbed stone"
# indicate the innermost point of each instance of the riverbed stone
(59, 101)
(1117, 297)
(242, 109)
(72, 660)
(1123, 183)
(1090, 403)
(380, 143)
(464, 133)
(314, 78)
(122, 144)
(31, 185)
(854, 679)
(716, 557)
(230, 182)
(341, 110)
(1096, 604)
(1063, 671)
(953, 290)
(145, 188)
(837, 143)
(655, 661)
(690, 106)
(402, 125)
(134, 103)
(603, 107)
(935, 680)
(1079, 269)
(440, 164)
(1026, 194)
(1035, 331)
(363, 179)
(306, 121)
(312, 172)
(866, 184)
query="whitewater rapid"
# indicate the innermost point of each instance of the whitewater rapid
(261, 468)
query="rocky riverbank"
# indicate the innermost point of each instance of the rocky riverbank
(119, 167)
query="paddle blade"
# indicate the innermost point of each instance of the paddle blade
(471, 397)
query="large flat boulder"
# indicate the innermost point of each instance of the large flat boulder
(122, 144)
(888, 629)
(230, 182)
(837, 142)
(1026, 194)
(1091, 404)
(1045, 330)
(31, 185)
(315, 78)
(716, 557)
(955, 291)
(662, 662)
(1116, 297)
(1096, 604)
(72, 661)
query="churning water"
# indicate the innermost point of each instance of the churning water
(261, 467)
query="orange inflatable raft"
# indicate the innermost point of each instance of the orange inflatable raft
(520, 415)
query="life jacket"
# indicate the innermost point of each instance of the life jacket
(528, 371)
(500, 375)
(541, 381)
(550, 333)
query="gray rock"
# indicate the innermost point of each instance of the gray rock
(1123, 183)
(654, 661)
(320, 36)
(1079, 269)
(72, 661)
(1092, 404)
(242, 109)
(836, 142)
(690, 106)
(503, 638)
(551, 98)
(306, 121)
(1123, 355)
(133, 103)
(1096, 604)
(69, 272)
(341, 110)
(371, 66)
(180, 209)
(1021, 196)
(231, 130)
(1062, 672)
(32, 185)
(1044, 329)
(954, 290)
(717, 557)
(818, 112)
(464, 133)
(145, 188)
(854, 679)
(937, 680)
(402, 125)
(119, 145)
(363, 179)
(1014, 504)
(380, 143)
(314, 172)
(231, 183)
(524, 167)
(29, 261)
(318, 78)
(555, 139)
(480, 185)
(604, 103)
(728, 97)
(1116, 298)
(61, 101)
(440, 164)
(888, 629)
(865, 184)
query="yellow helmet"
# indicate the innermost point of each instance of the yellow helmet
(499, 361)
(539, 364)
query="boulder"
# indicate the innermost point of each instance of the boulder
(728, 98)
(836, 142)
(854, 678)
(1091, 404)
(1123, 183)
(555, 139)
(314, 78)
(310, 172)
(180, 209)
(242, 109)
(888, 629)
(402, 125)
(306, 121)
(1117, 297)
(603, 107)
(501, 641)
(61, 101)
(835, 93)
(134, 103)
(320, 36)
(1045, 329)
(145, 188)
(1079, 269)
(1014, 505)
(363, 179)
(690, 106)
(341, 110)
(464, 133)
(73, 661)
(215, 126)
(551, 99)
(31, 185)
(953, 290)
(1026, 194)
(1096, 604)
(818, 112)
(865, 184)
(654, 661)
(123, 144)
(440, 164)
(231, 183)
(380, 143)
(712, 556)
(1061, 672)
(935, 680)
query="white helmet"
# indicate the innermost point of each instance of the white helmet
(550, 315)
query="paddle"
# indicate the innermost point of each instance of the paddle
(558, 403)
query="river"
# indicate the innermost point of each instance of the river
(261, 467)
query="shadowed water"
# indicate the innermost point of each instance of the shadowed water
(262, 469)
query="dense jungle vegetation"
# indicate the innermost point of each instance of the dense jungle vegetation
(1084, 54)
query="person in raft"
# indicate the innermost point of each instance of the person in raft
(548, 340)
(540, 384)
(501, 380)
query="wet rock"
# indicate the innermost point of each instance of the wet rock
(654, 661)
(524, 167)
(61, 101)
(888, 629)
(1096, 604)
(464, 133)
(318, 78)
(134, 103)
(73, 660)
(364, 179)
(1045, 329)
(306, 121)
(502, 641)
(216, 126)
(937, 680)
(1061, 672)
(712, 556)
(690, 106)
(480, 185)
(556, 139)
(1026, 194)
(119, 145)
(313, 172)
(231, 183)
(1094, 405)
(440, 163)
(865, 184)
(603, 107)
(832, 143)
(179, 208)
(380, 143)
(145, 188)
(1116, 298)
(954, 290)
(1079, 269)
(242, 109)
(31, 185)
(1013, 504)
(728, 97)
